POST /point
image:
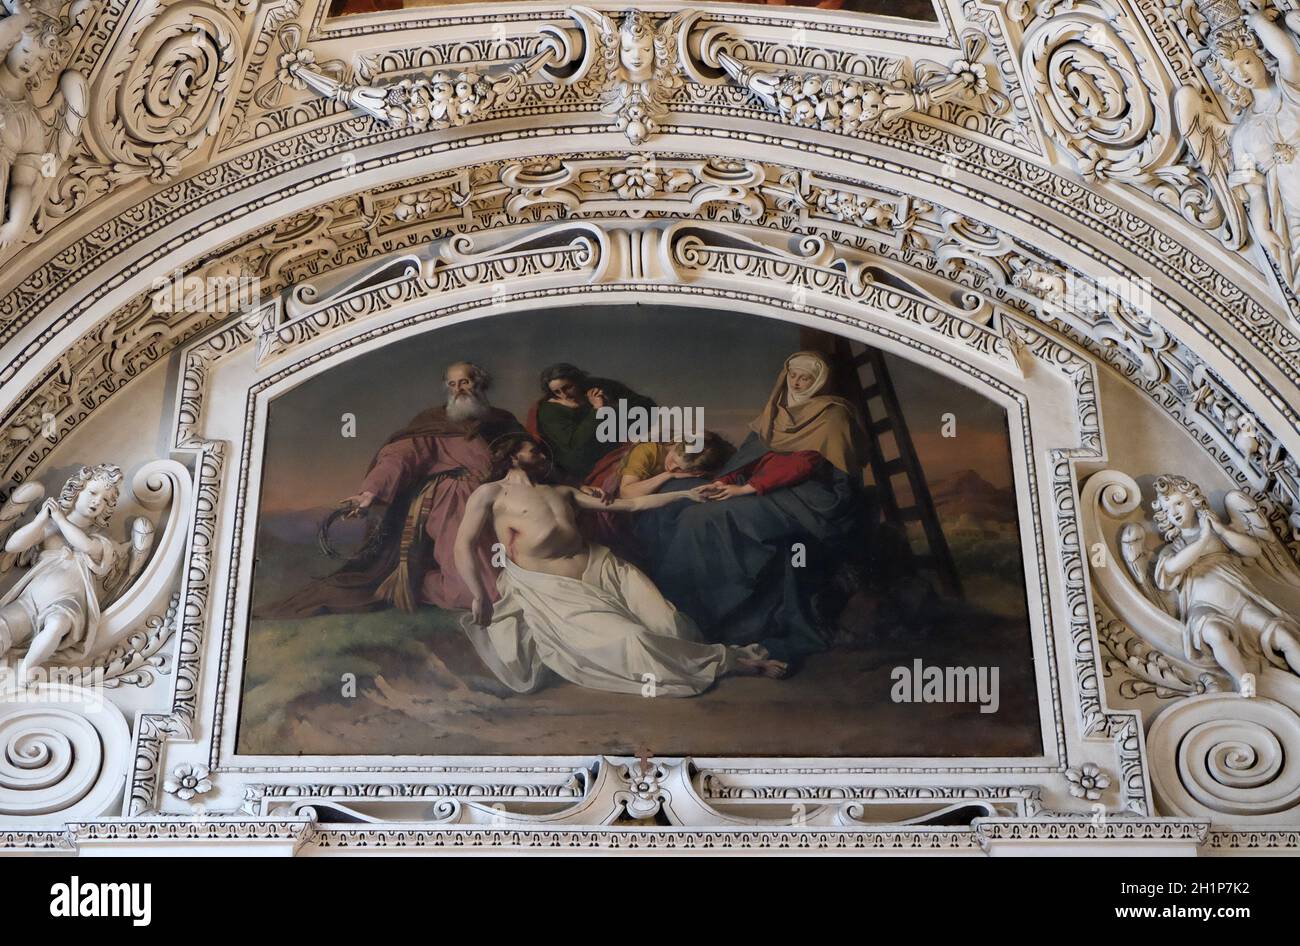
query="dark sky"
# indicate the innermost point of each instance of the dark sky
(725, 362)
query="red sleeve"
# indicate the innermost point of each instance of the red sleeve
(731, 478)
(774, 470)
(397, 464)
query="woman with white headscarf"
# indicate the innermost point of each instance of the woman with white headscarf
(747, 567)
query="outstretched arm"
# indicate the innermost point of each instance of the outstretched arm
(638, 504)
(477, 512)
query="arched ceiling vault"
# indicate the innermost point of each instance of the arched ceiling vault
(1067, 205)
(953, 151)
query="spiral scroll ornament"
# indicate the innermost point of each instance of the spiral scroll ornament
(1222, 754)
(63, 751)
(166, 92)
(1100, 95)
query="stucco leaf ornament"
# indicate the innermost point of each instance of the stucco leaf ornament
(1251, 158)
(638, 67)
(853, 104)
(445, 99)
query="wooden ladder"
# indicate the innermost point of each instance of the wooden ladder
(864, 379)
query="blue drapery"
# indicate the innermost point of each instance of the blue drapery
(732, 565)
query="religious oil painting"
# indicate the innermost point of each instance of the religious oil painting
(611, 529)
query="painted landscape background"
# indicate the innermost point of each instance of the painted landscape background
(422, 689)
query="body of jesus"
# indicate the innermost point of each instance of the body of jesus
(573, 607)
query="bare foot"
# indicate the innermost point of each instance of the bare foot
(774, 669)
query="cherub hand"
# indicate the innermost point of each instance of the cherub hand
(1209, 527)
(698, 495)
(596, 397)
(482, 611)
(53, 510)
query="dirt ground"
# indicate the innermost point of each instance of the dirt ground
(421, 690)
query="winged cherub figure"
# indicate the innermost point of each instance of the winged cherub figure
(35, 136)
(641, 69)
(75, 569)
(1200, 578)
(1253, 160)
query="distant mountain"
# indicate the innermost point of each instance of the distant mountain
(967, 493)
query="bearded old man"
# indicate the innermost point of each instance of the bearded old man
(423, 475)
(732, 564)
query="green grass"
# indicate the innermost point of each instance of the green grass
(294, 658)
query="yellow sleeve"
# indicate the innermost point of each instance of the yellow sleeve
(643, 461)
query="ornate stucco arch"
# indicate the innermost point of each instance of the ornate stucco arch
(940, 186)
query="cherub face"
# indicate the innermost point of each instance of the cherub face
(1180, 510)
(675, 461)
(26, 57)
(637, 54)
(95, 497)
(1248, 68)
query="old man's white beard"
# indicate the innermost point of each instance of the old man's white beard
(462, 407)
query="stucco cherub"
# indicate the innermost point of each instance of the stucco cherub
(1254, 160)
(36, 136)
(74, 568)
(641, 68)
(1200, 578)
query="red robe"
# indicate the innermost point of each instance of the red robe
(416, 564)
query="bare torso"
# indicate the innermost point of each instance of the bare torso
(537, 525)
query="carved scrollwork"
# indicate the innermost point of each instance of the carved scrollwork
(1098, 93)
(1220, 754)
(447, 98)
(172, 74)
(854, 104)
(63, 749)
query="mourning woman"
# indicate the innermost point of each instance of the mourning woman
(785, 509)
(565, 418)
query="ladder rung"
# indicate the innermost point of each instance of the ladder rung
(880, 426)
(896, 466)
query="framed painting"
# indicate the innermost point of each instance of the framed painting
(693, 532)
